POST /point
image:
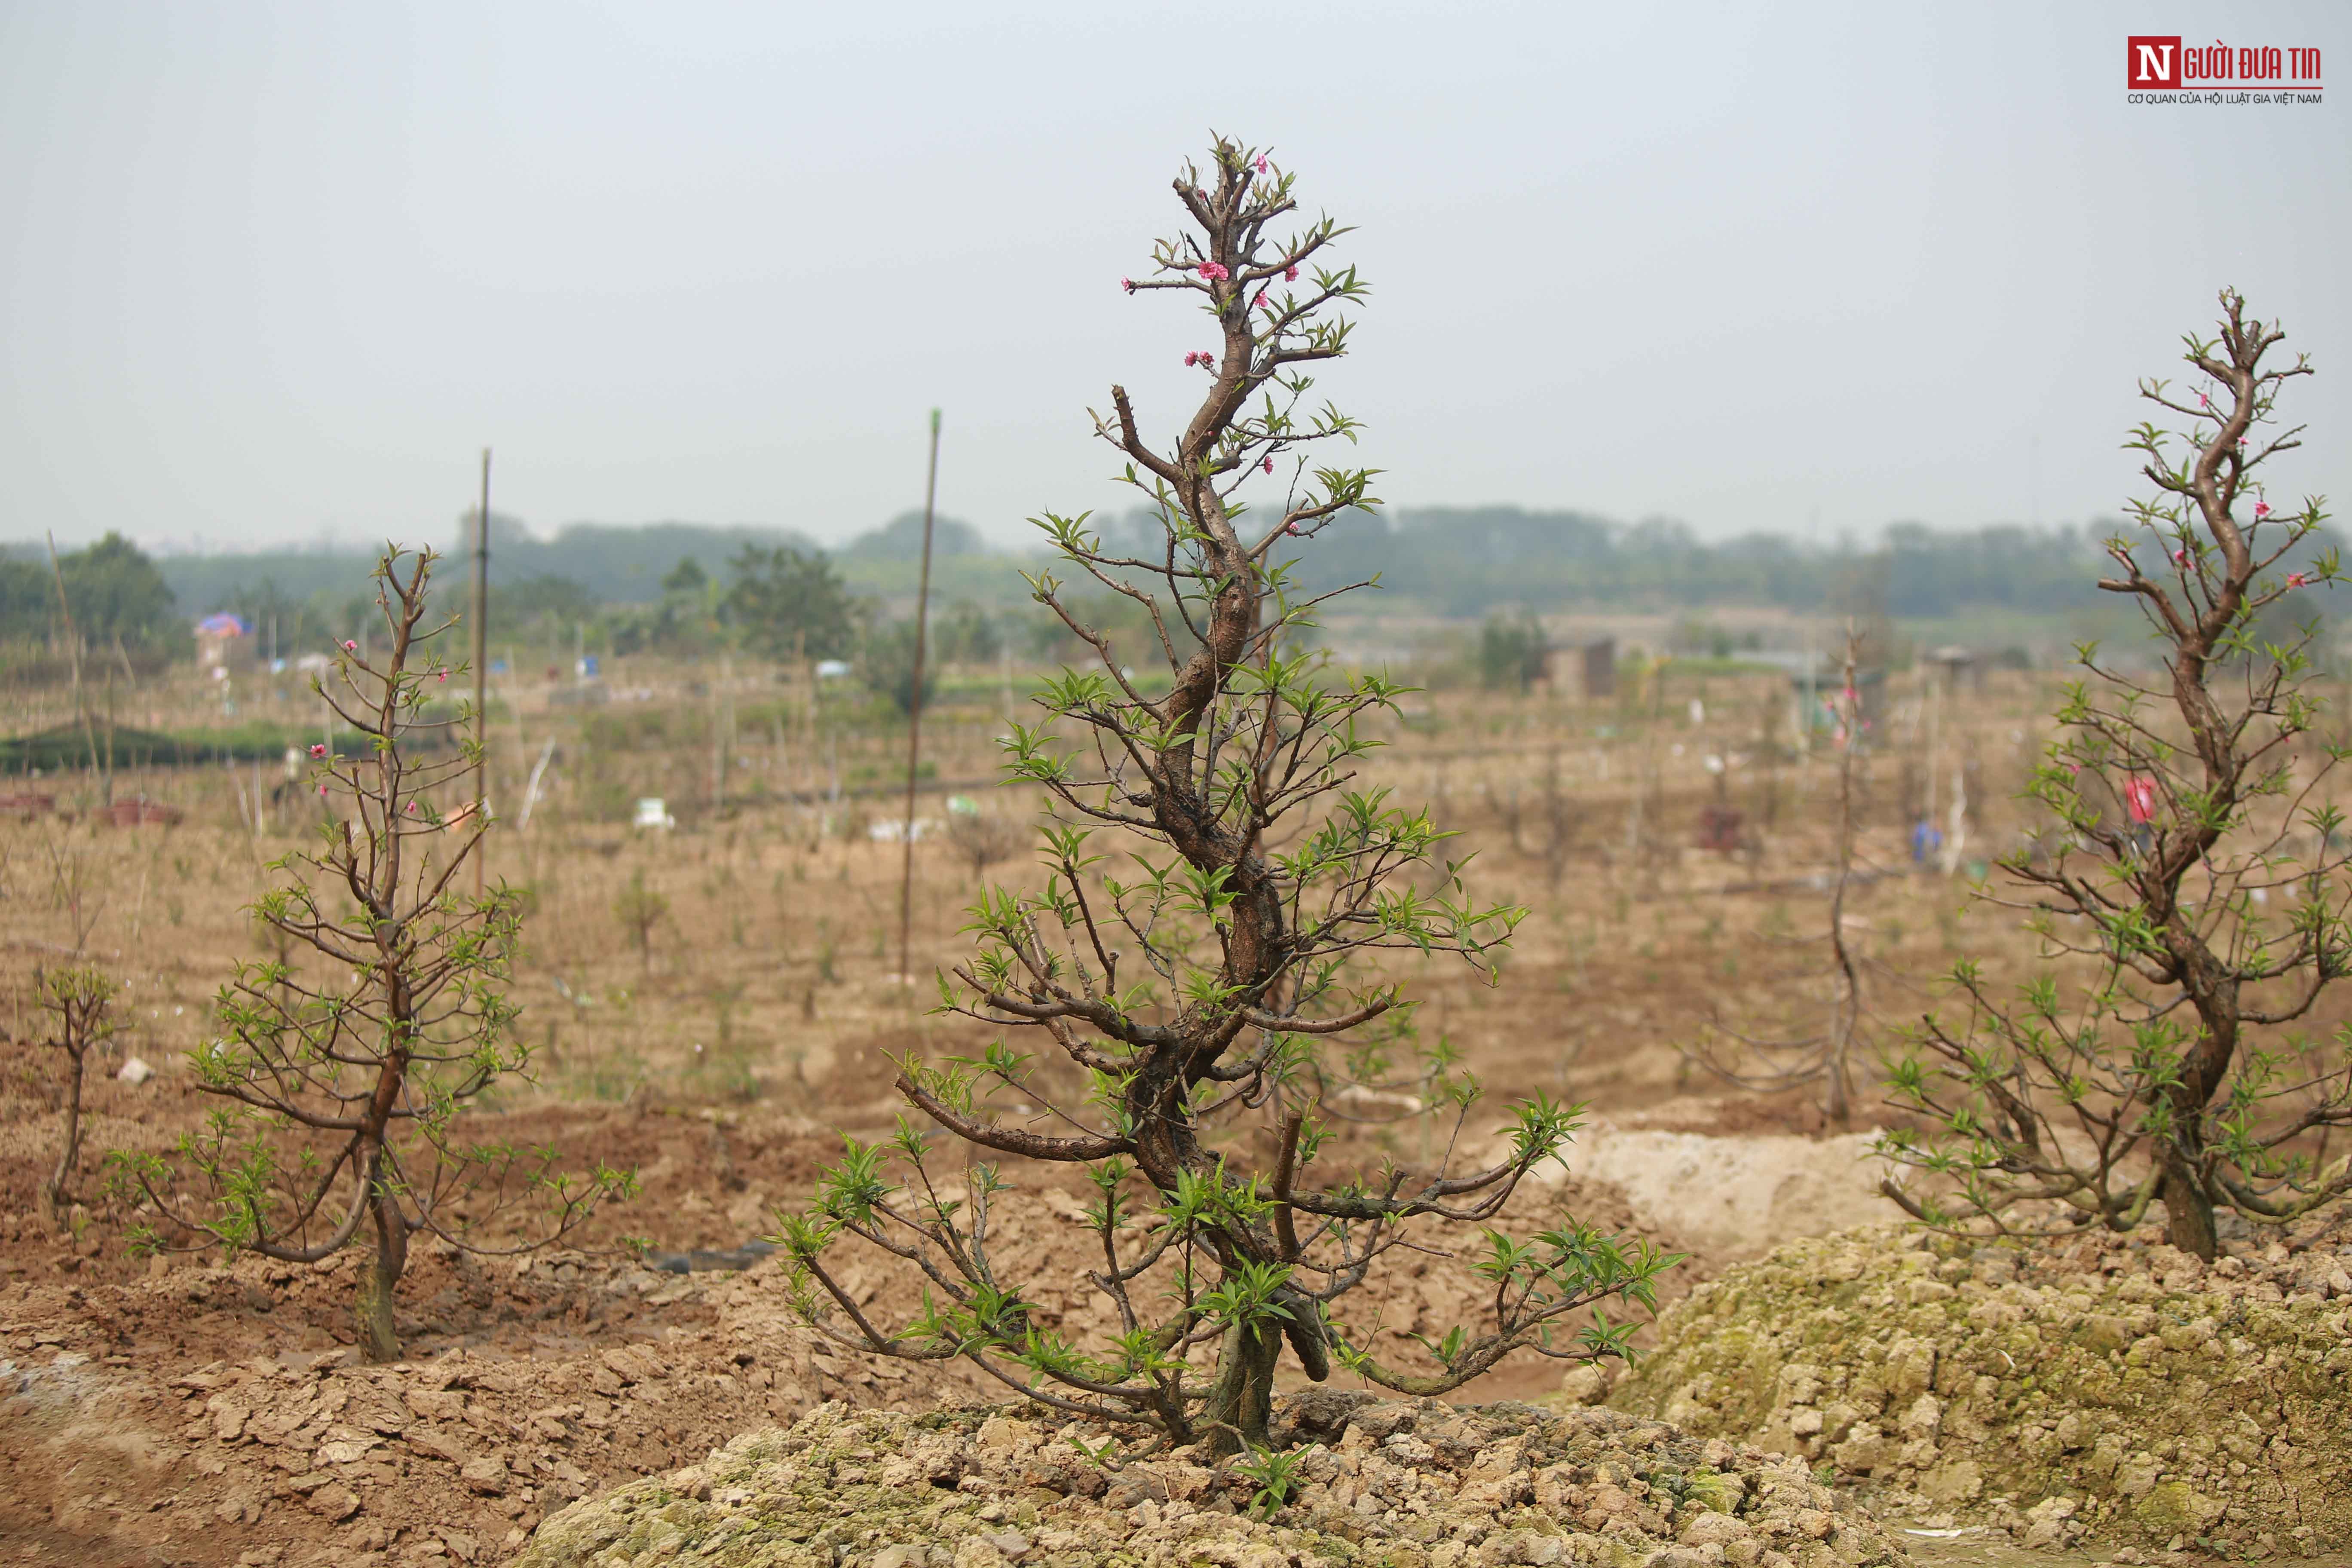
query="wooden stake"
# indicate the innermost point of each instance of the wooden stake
(481, 662)
(915, 717)
(1845, 1013)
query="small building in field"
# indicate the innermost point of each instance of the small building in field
(221, 640)
(1588, 670)
(1600, 658)
(1815, 694)
(1960, 667)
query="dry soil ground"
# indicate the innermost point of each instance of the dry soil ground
(182, 1410)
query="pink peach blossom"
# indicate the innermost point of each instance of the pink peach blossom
(442, 675)
(1269, 465)
(1127, 284)
(317, 750)
(351, 647)
(1191, 360)
(2180, 557)
(1258, 304)
(1261, 163)
(1214, 271)
(2262, 509)
(1290, 275)
(2297, 580)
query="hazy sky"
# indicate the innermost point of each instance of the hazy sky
(273, 271)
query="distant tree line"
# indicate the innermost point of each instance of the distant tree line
(1467, 560)
(691, 589)
(606, 563)
(116, 596)
(603, 564)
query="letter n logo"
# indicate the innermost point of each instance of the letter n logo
(2155, 62)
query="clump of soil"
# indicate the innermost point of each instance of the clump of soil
(2118, 1391)
(1405, 1484)
(176, 1413)
(119, 1445)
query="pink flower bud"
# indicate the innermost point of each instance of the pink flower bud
(2296, 580)
(442, 676)
(1214, 271)
(317, 749)
(1191, 360)
(1261, 163)
(2180, 558)
(1127, 284)
(1269, 465)
(1290, 275)
(351, 647)
(322, 792)
(1258, 304)
(2262, 509)
(412, 808)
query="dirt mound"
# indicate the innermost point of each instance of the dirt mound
(192, 1414)
(117, 1446)
(1733, 1197)
(2120, 1391)
(1411, 1485)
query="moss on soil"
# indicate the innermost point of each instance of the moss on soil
(2121, 1392)
(1381, 1485)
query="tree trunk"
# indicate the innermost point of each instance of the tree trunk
(56, 1197)
(1837, 1102)
(2204, 1067)
(2188, 1212)
(379, 1277)
(1243, 1401)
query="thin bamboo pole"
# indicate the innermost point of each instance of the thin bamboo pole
(481, 668)
(915, 717)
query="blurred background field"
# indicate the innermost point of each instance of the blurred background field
(710, 985)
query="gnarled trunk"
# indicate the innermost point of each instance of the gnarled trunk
(2187, 1205)
(1242, 1403)
(2188, 1212)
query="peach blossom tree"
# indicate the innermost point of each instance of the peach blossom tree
(2196, 878)
(344, 1081)
(1200, 963)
